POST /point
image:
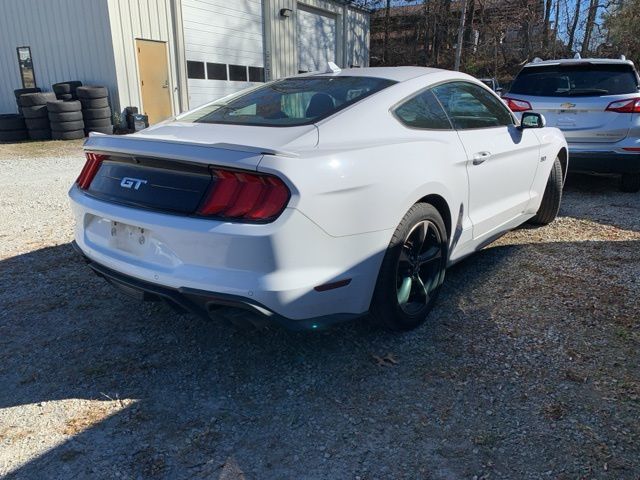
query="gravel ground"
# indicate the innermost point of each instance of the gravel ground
(528, 369)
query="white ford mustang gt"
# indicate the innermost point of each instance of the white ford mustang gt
(316, 198)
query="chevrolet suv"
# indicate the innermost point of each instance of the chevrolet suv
(596, 103)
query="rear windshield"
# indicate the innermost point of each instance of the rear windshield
(290, 102)
(590, 80)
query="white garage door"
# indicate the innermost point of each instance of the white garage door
(223, 46)
(316, 34)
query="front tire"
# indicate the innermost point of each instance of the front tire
(412, 271)
(552, 197)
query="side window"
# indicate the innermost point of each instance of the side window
(470, 106)
(423, 111)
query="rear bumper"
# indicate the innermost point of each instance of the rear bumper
(270, 269)
(603, 161)
(201, 302)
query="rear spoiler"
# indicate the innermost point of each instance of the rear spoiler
(223, 154)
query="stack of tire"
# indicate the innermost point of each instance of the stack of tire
(66, 119)
(34, 110)
(95, 109)
(66, 90)
(12, 128)
(22, 91)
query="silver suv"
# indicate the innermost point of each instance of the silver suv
(596, 103)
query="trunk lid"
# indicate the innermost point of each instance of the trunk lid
(169, 167)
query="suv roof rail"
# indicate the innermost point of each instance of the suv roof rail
(622, 57)
(536, 60)
(577, 56)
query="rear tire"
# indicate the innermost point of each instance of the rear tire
(44, 134)
(90, 91)
(105, 130)
(60, 106)
(13, 135)
(65, 116)
(74, 135)
(37, 123)
(552, 197)
(33, 99)
(38, 111)
(96, 113)
(94, 102)
(67, 126)
(412, 271)
(11, 121)
(630, 182)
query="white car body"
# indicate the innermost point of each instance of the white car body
(352, 178)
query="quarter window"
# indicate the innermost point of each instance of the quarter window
(423, 111)
(470, 106)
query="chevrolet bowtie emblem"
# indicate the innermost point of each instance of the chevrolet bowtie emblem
(568, 105)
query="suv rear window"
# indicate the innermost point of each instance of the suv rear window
(289, 102)
(589, 80)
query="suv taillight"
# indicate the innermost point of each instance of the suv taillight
(517, 105)
(245, 196)
(630, 105)
(91, 167)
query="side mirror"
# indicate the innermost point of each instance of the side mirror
(500, 91)
(532, 120)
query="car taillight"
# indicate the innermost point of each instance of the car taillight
(630, 105)
(91, 167)
(245, 196)
(517, 105)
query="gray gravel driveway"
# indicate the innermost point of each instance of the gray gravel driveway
(529, 368)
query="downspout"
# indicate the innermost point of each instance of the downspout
(266, 44)
(181, 67)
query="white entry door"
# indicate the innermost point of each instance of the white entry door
(316, 39)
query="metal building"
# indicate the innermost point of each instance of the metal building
(165, 56)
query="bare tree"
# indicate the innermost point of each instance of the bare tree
(588, 29)
(574, 26)
(463, 15)
(547, 21)
(387, 19)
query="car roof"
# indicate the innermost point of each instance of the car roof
(574, 61)
(398, 74)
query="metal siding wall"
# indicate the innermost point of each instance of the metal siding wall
(69, 40)
(352, 35)
(148, 20)
(357, 38)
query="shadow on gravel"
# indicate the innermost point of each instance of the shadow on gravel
(527, 369)
(483, 389)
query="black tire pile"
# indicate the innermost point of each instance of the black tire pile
(66, 90)
(22, 91)
(34, 110)
(65, 118)
(95, 109)
(12, 128)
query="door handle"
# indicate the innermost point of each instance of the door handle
(481, 157)
(166, 84)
